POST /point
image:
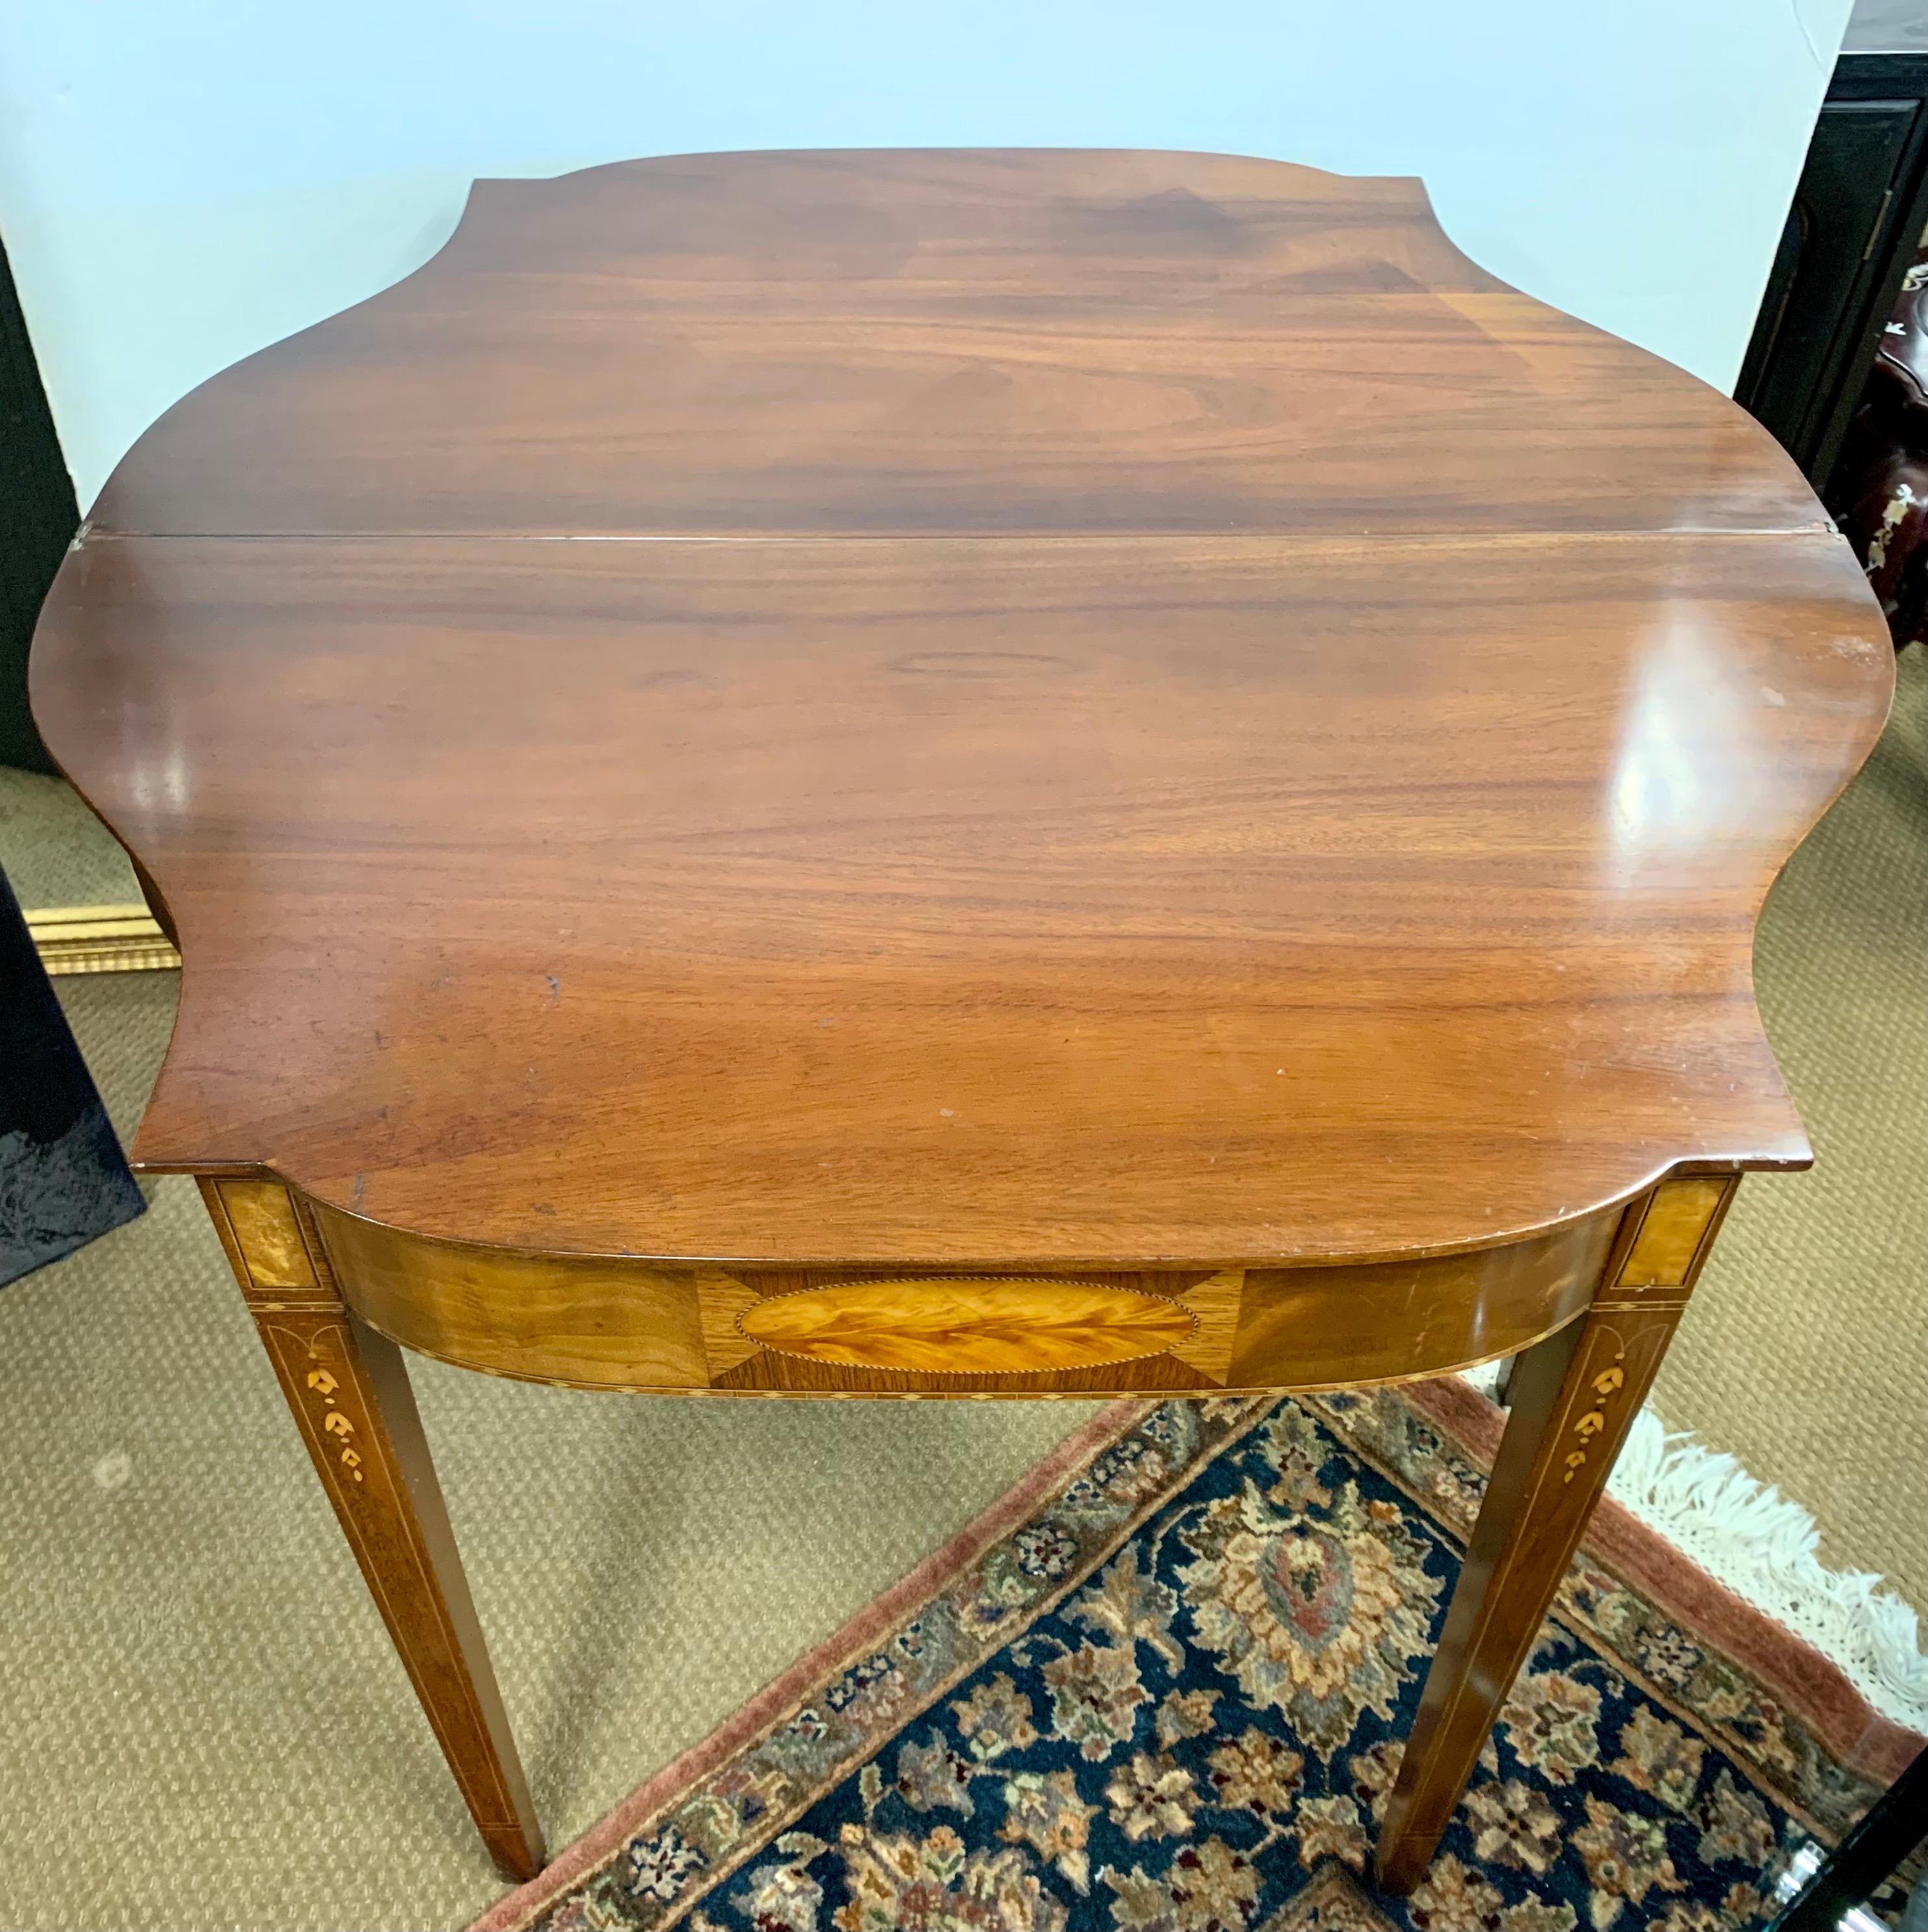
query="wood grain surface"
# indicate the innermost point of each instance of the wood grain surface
(1571, 1401)
(769, 725)
(595, 1322)
(1206, 900)
(997, 1323)
(348, 1391)
(1319, 815)
(945, 342)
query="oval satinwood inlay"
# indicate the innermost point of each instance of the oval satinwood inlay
(959, 1326)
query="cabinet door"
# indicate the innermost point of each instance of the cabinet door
(1848, 239)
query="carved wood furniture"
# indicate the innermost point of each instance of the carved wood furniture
(1150, 781)
(1878, 490)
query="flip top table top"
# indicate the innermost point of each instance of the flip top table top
(961, 710)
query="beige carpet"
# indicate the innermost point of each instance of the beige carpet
(202, 1723)
(55, 851)
(1804, 1352)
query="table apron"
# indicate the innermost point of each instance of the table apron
(584, 1322)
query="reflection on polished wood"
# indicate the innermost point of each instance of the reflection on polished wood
(1153, 783)
(938, 342)
(838, 928)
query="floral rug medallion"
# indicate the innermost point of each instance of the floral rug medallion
(1170, 1696)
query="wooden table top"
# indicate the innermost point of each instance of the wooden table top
(1007, 709)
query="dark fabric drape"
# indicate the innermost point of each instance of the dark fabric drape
(63, 1177)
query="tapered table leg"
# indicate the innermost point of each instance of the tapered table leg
(1573, 1397)
(350, 1395)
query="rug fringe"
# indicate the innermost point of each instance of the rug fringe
(1765, 1546)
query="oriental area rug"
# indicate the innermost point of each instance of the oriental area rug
(1162, 1686)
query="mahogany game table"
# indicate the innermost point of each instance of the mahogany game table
(961, 774)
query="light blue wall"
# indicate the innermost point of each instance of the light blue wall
(184, 181)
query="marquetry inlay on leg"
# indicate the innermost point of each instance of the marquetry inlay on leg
(1670, 1241)
(1634, 1315)
(350, 1395)
(1572, 1399)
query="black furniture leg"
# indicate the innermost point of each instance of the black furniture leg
(1892, 1827)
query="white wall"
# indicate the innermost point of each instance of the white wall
(182, 181)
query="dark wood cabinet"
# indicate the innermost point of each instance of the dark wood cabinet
(1857, 214)
(38, 517)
